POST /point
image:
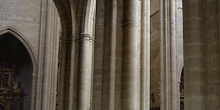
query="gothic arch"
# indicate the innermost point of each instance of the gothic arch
(66, 16)
(23, 40)
(23, 61)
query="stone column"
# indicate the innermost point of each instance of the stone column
(212, 54)
(46, 83)
(108, 96)
(145, 55)
(194, 59)
(85, 71)
(169, 84)
(173, 57)
(131, 55)
(37, 99)
(50, 60)
(55, 33)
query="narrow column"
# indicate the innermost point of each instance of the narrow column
(37, 88)
(85, 71)
(173, 90)
(194, 65)
(53, 56)
(47, 60)
(131, 55)
(145, 55)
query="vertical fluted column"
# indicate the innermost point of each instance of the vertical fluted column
(131, 55)
(85, 71)
(212, 54)
(55, 57)
(145, 55)
(168, 48)
(173, 90)
(55, 28)
(36, 103)
(194, 65)
(47, 60)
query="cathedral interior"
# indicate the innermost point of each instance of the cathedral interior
(109, 55)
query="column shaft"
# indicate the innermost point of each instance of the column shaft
(53, 57)
(212, 54)
(173, 90)
(131, 55)
(194, 65)
(85, 71)
(47, 61)
(168, 51)
(36, 103)
(145, 55)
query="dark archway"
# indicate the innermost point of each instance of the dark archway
(2, 107)
(14, 56)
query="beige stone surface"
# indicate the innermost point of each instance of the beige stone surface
(103, 59)
(201, 54)
(155, 60)
(24, 17)
(154, 6)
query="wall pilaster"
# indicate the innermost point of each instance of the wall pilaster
(49, 61)
(45, 97)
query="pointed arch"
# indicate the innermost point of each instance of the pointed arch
(17, 54)
(23, 40)
(65, 11)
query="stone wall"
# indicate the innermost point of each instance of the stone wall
(23, 16)
(155, 53)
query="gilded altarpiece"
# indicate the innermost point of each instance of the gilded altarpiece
(11, 92)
